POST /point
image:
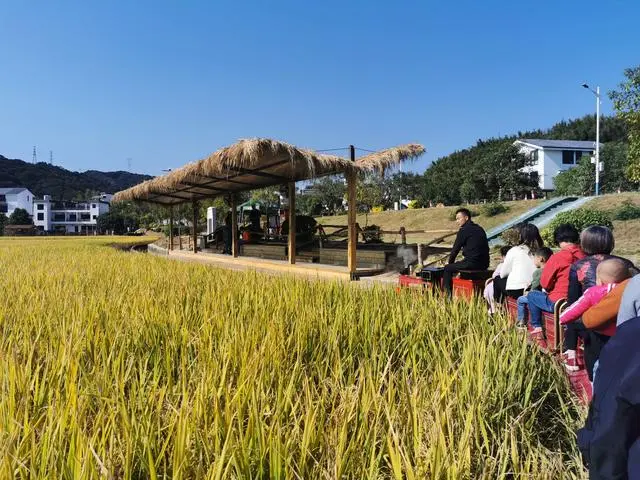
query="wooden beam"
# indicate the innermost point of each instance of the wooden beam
(200, 186)
(171, 228)
(234, 226)
(292, 223)
(194, 205)
(222, 179)
(170, 195)
(259, 173)
(216, 179)
(351, 217)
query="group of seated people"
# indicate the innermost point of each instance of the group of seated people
(583, 272)
(602, 293)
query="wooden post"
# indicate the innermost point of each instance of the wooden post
(351, 217)
(194, 219)
(170, 228)
(292, 223)
(403, 236)
(234, 227)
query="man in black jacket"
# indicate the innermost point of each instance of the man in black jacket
(472, 239)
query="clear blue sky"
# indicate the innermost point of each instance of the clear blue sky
(167, 82)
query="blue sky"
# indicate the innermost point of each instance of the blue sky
(167, 82)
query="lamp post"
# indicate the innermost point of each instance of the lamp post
(596, 92)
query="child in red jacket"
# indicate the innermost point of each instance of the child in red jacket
(555, 275)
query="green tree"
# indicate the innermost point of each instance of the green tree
(501, 170)
(122, 217)
(406, 185)
(266, 196)
(372, 191)
(468, 191)
(20, 217)
(323, 196)
(580, 180)
(626, 101)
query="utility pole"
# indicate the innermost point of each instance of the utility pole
(596, 92)
(34, 158)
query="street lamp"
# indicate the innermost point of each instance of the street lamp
(596, 92)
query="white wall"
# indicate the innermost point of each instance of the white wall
(23, 200)
(45, 223)
(96, 208)
(537, 167)
(548, 166)
(552, 166)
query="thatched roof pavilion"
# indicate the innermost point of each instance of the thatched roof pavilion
(252, 164)
(256, 163)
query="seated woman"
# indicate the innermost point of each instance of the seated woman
(555, 275)
(597, 243)
(518, 267)
(488, 289)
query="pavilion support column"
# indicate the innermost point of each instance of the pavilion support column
(234, 227)
(351, 217)
(292, 223)
(170, 245)
(194, 206)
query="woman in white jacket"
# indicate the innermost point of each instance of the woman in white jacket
(517, 269)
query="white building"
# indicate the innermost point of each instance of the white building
(551, 157)
(69, 217)
(12, 198)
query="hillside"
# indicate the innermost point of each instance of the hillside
(427, 219)
(624, 231)
(43, 178)
(477, 172)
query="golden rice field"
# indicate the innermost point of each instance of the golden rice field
(120, 365)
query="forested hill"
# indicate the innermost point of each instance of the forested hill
(478, 171)
(45, 179)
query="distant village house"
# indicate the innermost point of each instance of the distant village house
(550, 157)
(14, 198)
(70, 217)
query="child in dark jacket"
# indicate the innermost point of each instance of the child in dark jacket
(540, 258)
(610, 439)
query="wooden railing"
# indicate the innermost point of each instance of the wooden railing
(401, 231)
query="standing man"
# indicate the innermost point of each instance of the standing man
(472, 239)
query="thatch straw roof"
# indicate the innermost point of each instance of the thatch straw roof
(380, 161)
(251, 164)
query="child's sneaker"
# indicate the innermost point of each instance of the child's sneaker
(521, 325)
(537, 336)
(570, 363)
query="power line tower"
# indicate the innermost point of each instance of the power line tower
(34, 159)
(51, 157)
(129, 164)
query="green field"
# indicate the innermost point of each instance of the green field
(126, 365)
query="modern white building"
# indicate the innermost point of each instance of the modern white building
(12, 198)
(69, 217)
(551, 157)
